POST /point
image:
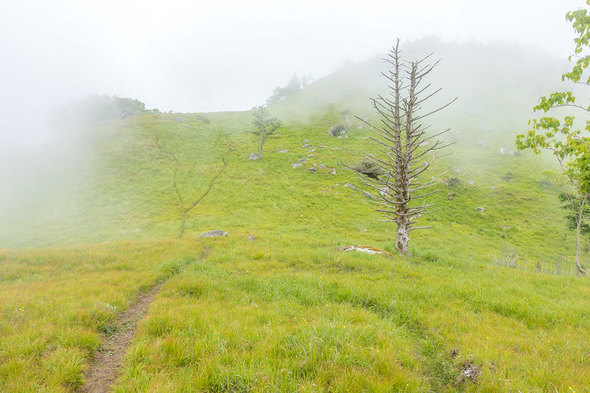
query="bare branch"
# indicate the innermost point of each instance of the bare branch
(401, 139)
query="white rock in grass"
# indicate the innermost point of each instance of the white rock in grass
(215, 233)
(365, 249)
(253, 156)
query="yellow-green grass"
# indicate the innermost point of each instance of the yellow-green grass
(55, 304)
(298, 318)
(287, 312)
(233, 322)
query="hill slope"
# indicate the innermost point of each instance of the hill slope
(287, 311)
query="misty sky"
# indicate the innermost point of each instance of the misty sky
(193, 56)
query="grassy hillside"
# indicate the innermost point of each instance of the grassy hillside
(286, 311)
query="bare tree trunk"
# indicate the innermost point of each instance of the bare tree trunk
(402, 237)
(578, 238)
(261, 144)
(404, 146)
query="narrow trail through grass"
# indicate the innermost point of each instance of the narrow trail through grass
(106, 366)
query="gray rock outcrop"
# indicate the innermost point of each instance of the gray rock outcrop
(215, 233)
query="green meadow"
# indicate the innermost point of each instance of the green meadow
(275, 307)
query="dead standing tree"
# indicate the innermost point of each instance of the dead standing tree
(407, 150)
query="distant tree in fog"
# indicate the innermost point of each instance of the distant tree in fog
(95, 108)
(264, 126)
(295, 84)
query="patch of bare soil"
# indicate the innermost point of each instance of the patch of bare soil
(106, 365)
(469, 373)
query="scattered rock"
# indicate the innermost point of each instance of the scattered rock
(348, 185)
(283, 151)
(312, 150)
(306, 146)
(311, 155)
(456, 170)
(365, 249)
(506, 151)
(215, 233)
(251, 238)
(368, 169)
(305, 141)
(337, 130)
(322, 146)
(505, 227)
(302, 160)
(469, 373)
(481, 209)
(253, 156)
(312, 169)
(336, 148)
(347, 122)
(493, 188)
(297, 165)
(453, 182)
(323, 166)
(471, 182)
(333, 171)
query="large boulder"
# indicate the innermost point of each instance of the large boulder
(368, 169)
(215, 233)
(337, 130)
(253, 156)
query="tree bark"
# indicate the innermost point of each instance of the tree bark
(261, 144)
(578, 239)
(402, 237)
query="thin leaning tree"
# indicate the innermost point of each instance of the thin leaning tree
(406, 151)
(569, 143)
